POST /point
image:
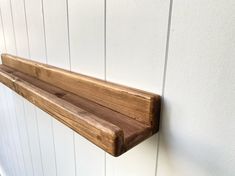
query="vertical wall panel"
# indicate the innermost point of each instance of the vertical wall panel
(90, 159)
(46, 137)
(64, 148)
(32, 128)
(8, 26)
(36, 34)
(136, 41)
(5, 149)
(3, 153)
(19, 22)
(23, 133)
(35, 23)
(9, 34)
(56, 31)
(197, 134)
(86, 19)
(2, 37)
(22, 47)
(139, 161)
(15, 131)
(86, 24)
(22, 41)
(14, 166)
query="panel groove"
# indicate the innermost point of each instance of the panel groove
(53, 139)
(74, 150)
(44, 31)
(27, 132)
(27, 30)
(40, 149)
(3, 29)
(10, 21)
(20, 139)
(13, 26)
(25, 43)
(105, 67)
(164, 77)
(69, 48)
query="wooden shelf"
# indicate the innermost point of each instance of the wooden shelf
(113, 117)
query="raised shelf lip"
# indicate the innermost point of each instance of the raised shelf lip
(112, 116)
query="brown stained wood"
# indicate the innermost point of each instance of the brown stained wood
(114, 117)
(131, 102)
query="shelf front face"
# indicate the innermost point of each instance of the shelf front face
(94, 108)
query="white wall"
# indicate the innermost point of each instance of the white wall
(190, 62)
(198, 124)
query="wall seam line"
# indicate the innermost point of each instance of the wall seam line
(11, 143)
(7, 136)
(105, 40)
(4, 40)
(68, 30)
(20, 137)
(13, 26)
(53, 138)
(105, 65)
(3, 31)
(39, 141)
(27, 30)
(44, 31)
(27, 133)
(74, 150)
(16, 52)
(70, 68)
(164, 79)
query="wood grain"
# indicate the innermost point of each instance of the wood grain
(112, 116)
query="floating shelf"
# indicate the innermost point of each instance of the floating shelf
(113, 117)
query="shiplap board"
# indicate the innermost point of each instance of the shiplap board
(5, 145)
(86, 27)
(9, 39)
(15, 131)
(22, 47)
(10, 135)
(23, 133)
(22, 44)
(139, 161)
(47, 145)
(3, 153)
(35, 26)
(2, 37)
(33, 137)
(197, 133)
(46, 137)
(136, 41)
(8, 26)
(90, 159)
(2, 170)
(64, 149)
(38, 52)
(19, 22)
(56, 32)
